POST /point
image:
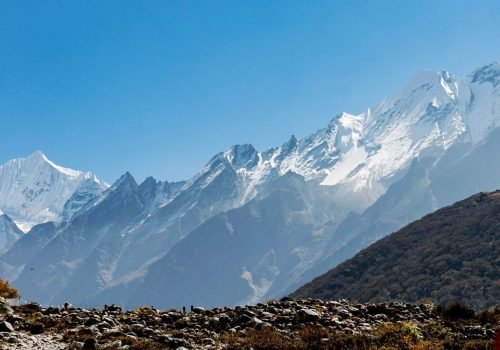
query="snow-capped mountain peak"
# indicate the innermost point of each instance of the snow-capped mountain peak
(349, 131)
(39, 156)
(34, 189)
(242, 156)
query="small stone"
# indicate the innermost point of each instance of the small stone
(5, 309)
(380, 317)
(199, 310)
(114, 345)
(76, 345)
(147, 332)
(111, 321)
(13, 340)
(36, 328)
(244, 319)
(224, 318)
(103, 325)
(137, 328)
(178, 343)
(114, 308)
(208, 341)
(256, 321)
(6, 327)
(90, 344)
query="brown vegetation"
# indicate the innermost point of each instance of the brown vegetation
(7, 291)
(389, 336)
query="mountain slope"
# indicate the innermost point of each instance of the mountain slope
(9, 233)
(55, 264)
(35, 190)
(235, 257)
(429, 184)
(24, 248)
(452, 254)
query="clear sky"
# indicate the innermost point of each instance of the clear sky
(158, 87)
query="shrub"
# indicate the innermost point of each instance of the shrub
(456, 311)
(7, 291)
(412, 330)
(393, 336)
(146, 311)
(313, 337)
(491, 316)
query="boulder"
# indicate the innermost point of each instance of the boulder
(307, 315)
(6, 327)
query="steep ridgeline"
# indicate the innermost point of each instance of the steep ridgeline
(354, 181)
(34, 190)
(452, 254)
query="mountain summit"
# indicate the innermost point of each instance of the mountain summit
(34, 190)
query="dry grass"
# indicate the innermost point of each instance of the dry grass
(388, 336)
(265, 338)
(138, 344)
(132, 342)
(145, 311)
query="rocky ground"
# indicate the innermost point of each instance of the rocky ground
(285, 324)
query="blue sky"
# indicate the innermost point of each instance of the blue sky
(158, 87)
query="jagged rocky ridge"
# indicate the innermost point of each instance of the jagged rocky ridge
(362, 176)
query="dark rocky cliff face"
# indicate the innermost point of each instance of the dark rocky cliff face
(452, 254)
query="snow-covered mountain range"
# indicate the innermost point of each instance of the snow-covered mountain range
(253, 225)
